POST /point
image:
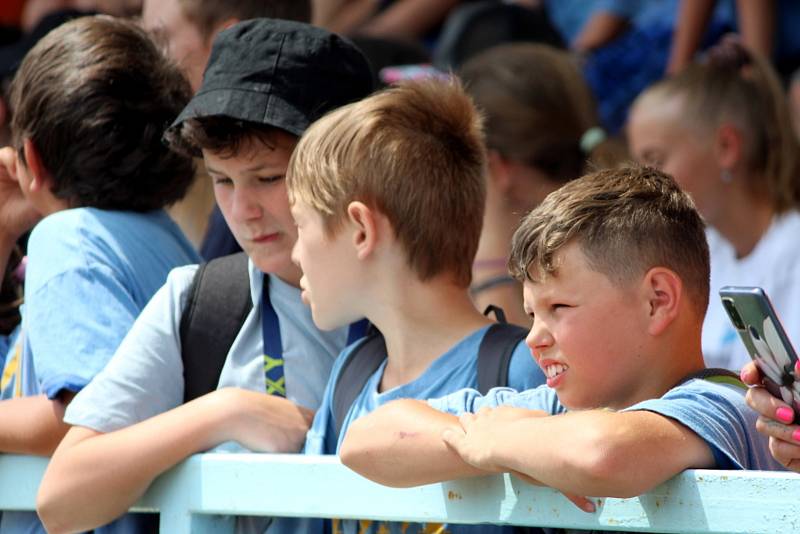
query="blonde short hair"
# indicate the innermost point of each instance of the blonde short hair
(626, 221)
(415, 153)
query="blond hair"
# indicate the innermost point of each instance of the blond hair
(626, 221)
(415, 153)
(737, 86)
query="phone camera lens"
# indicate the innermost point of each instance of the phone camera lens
(736, 319)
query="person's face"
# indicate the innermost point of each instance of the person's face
(185, 44)
(585, 334)
(657, 139)
(328, 266)
(251, 193)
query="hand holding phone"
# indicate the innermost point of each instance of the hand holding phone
(759, 328)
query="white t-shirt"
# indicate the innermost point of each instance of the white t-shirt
(774, 264)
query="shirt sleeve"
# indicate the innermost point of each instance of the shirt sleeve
(145, 375)
(74, 322)
(718, 414)
(470, 400)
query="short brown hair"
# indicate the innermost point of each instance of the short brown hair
(626, 221)
(537, 108)
(207, 14)
(94, 96)
(219, 134)
(736, 85)
(414, 152)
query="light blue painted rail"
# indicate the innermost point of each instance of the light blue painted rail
(192, 495)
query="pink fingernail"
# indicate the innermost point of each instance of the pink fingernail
(744, 374)
(784, 414)
(797, 368)
(796, 435)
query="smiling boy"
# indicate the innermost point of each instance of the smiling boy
(615, 274)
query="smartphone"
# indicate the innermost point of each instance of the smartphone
(759, 328)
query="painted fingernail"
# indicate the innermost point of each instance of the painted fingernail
(744, 374)
(784, 414)
(796, 435)
(797, 368)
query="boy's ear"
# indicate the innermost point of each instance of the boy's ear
(365, 236)
(499, 172)
(38, 175)
(729, 146)
(664, 292)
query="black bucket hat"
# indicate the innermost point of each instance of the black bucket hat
(279, 73)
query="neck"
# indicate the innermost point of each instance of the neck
(291, 275)
(669, 360)
(745, 220)
(420, 322)
(499, 224)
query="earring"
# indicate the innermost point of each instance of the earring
(726, 176)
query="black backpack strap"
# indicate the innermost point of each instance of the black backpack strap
(363, 361)
(494, 354)
(219, 301)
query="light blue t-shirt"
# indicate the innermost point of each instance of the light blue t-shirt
(716, 412)
(457, 368)
(90, 272)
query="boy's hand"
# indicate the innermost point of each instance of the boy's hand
(261, 422)
(17, 215)
(477, 437)
(476, 440)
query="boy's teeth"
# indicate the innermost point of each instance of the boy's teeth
(554, 370)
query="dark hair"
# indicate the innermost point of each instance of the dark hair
(207, 14)
(538, 108)
(11, 294)
(95, 96)
(220, 134)
(626, 221)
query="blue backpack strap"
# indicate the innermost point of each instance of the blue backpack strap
(362, 362)
(496, 349)
(218, 303)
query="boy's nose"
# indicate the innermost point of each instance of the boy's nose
(539, 338)
(244, 205)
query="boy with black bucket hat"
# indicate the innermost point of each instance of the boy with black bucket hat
(267, 80)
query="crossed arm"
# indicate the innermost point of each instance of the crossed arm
(94, 477)
(579, 453)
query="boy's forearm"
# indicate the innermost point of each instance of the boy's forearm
(600, 453)
(31, 425)
(75, 495)
(400, 445)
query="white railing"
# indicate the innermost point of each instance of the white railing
(194, 496)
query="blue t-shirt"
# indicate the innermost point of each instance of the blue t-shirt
(716, 412)
(90, 272)
(457, 368)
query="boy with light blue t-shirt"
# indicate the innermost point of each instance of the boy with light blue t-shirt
(615, 272)
(91, 101)
(388, 197)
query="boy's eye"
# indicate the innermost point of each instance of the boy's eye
(222, 180)
(270, 179)
(559, 306)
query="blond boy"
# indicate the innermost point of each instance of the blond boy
(388, 197)
(615, 273)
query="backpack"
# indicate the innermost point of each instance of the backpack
(218, 303)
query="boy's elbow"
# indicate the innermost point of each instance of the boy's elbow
(607, 470)
(50, 512)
